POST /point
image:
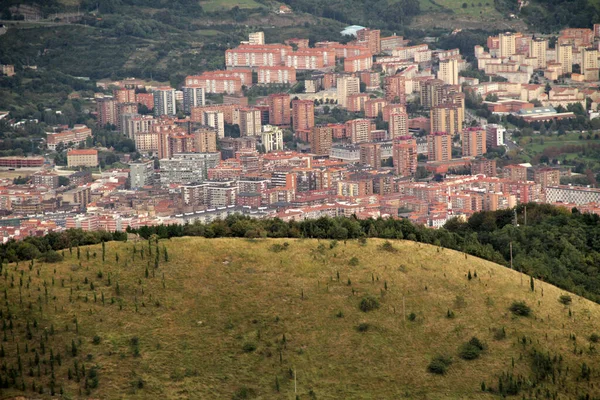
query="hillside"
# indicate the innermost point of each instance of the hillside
(234, 318)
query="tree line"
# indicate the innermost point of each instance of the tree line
(553, 244)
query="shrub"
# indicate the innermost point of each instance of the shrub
(277, 248)
(594, 338)
(477, 343)
(469, 352)
(249, 347)
(339, 314)
(96, 339)
(450, 314)
(354, 261)
(412, 316)
(520, 308)
(388, 246)
(368, 303)
(565, 299)
(244, 393)
(51, 256)
(363, 327)
(439, 365)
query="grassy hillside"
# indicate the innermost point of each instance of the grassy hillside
(234, 318)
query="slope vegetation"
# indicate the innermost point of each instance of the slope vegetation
(237, 318)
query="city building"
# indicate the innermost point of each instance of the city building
(370, 155)
(404, 155)
(276, 75)
(216, 120)
(206, 139)
(564, 56)
(82, 158)
(68, 137)
(43, 178)
(250, 122)
(193, 96)
(359, 130)
(187, 167)
(164, 102)
(494, 135)
(271, 138)
(346, 86)
(447, 118)
(256, 38)
(303, 115)
(107, 111)
(448, 72)
(141, 174)
(321, 139)
(371, 39)
(473, 142)
(439, 146)
(398, 125)
(279, 109)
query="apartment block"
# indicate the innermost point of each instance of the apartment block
(271, 138)
(141, 174)
(395, 89)
(398, 125)
(276, 75)
(310, 59)
(483, 166)
(374, 107)
(356, 102)
(448, 72)
(358, 63)
(76, 135)
(346, 86)
(494, 135)
(371, 38)
(447, 118)
(303, 112)
(164, 102)
(439, 146)
(279, 109)
(124, 95)
(107, 111)
(256, 38)
(193, 96)
(359, 130)
(206, 139)
(473, 142)
(404, 155)
(250, 122)
(321, 138)
(82, 158)
(252, 56)
(216, 120)
(187, 167)
(370, 155)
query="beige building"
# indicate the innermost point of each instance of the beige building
(439, 146)
(398, 125)
(256, 38)
(507, 44)
(564, 56)
(82, 158)
(448, 72)
(250, 122)
(473, 142)
(346, 86)
(206, 139)
(447, 118)
(589, 64)
(146, 142)
(538, 49)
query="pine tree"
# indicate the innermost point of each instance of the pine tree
(78, 253)
(73, 348)
(165, 254)
(117, 257)
(469, 277)
(531, 284)
(103, 250)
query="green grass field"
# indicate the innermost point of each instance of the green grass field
(473, 8)
(218, 5)
(233, 318)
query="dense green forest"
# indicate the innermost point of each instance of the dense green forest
(554, 244)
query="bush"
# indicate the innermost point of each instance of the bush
(277, 248)
(96, 340)
(439, 365)
(594, 338)
(363, 327)
(388, 246)
(412, 316)
(520, 308)
(244, 393)
(469, 352)
(354, 261)
(368, 303)
(249, 347)
(499, 333)
(565, 299)
(51, 256)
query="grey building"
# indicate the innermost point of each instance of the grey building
(141, 174)
(187, 167)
